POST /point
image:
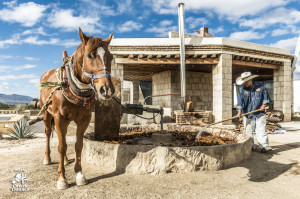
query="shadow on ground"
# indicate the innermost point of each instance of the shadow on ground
(261, 169)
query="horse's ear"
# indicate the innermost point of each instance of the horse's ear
(83, 37)
(108, 39)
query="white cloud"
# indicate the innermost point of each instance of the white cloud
(124, 6)
(161, 31)
(31, 59)
(214, 31)
(279, 32)
(6, 68)
(277, 16)
(129, 26)
(165, 23)
(38, 31)
(13, 77)
(4, 87)
(286, 43)
(197, 23)
(34, 81)
(65, 20)
(27, 14)
(229, 8)
(247, 35)
(26, 66)
(70, 43)
(5, 57)
(15, 39)
(34, 40)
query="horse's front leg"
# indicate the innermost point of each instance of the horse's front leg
(81, 127)
(61, 125)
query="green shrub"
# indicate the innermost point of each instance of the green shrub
(22, 107)
(21, 130)
(3, 106)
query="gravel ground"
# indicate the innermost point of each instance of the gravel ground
(274, 175)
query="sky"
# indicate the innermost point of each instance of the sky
(34, 33)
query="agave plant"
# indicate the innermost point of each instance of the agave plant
(21, 130)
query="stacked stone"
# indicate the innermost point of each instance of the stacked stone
(283, 90)
(222, 88)
(198, 89)
(161, 84)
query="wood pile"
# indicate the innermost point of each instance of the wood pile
(272, 116)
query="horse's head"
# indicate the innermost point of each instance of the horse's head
(96, 65)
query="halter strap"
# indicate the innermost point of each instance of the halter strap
(99, 76)
(94, 77)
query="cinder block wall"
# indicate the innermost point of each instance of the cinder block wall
(161, 84)
(198, 87)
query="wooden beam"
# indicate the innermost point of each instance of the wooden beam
(254, 64)
(165, 61)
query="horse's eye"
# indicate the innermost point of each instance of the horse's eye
(90, 56)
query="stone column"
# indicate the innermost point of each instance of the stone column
(222, 89)
(283, 90)
(134, 95)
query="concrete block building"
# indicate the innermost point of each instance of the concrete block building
(212, 66)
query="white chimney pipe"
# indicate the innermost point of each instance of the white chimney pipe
(182, 53)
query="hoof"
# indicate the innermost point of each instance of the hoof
(46, 162)
(80, 179)
(62, 184)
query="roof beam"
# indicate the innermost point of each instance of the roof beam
(254, 64)
(166, 61)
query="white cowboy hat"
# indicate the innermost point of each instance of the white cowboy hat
(245, 77)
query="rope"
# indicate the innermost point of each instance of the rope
(46, 103)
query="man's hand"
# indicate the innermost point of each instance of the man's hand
(263, 107)
(239, 114)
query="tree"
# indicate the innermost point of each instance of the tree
(3, 106)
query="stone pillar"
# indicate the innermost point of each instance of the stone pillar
(222, 88)
(283, 90)
(134, 95)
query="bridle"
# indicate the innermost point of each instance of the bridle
(95, 77)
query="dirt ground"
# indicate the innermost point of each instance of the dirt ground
(274, 175)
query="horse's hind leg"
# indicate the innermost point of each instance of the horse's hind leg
(48, 130)
(81, 127)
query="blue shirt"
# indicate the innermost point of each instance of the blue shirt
(251, 99)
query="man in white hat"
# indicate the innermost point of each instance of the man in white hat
(253, 95)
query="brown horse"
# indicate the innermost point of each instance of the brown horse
(86, 79)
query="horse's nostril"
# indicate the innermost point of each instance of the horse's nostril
(103, 90)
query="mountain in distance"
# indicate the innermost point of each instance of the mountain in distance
(15, 99)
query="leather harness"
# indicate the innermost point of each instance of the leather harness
(73, 90)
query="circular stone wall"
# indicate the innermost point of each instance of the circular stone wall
(155, 159)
